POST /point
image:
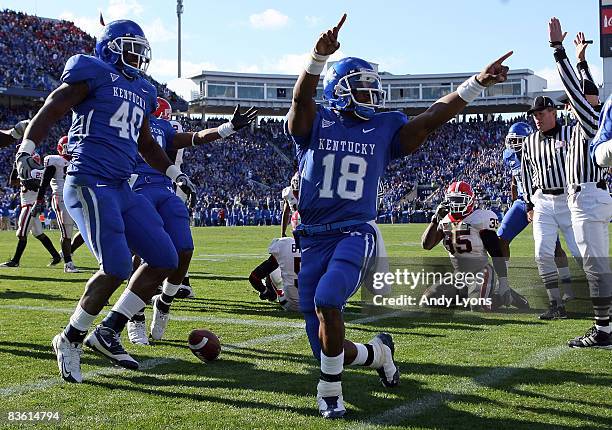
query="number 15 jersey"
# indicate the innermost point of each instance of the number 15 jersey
(103, 138)
(341, 164)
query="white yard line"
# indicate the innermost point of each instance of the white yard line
(44, 384)
(416, 407)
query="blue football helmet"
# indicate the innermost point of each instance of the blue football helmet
(120, 38)
(517, 134)
(346, 79)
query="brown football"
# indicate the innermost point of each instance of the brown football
(204, 344)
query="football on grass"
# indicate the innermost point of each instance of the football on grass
(204, 344)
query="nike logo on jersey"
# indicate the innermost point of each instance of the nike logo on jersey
(325, 123)
(101, 185)
(368, 130)
(114, 77)
(144, 91)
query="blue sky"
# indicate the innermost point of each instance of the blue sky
(406, 36)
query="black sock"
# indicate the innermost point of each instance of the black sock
(21, 246)
(115, 320)
(74, 335)
(186, 281)
(44, 239)
(601, 308)
(163, 303)
(139, 316)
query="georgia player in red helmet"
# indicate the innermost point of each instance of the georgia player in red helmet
(469, 235)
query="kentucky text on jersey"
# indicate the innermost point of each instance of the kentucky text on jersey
(130, 96)
(346, 146)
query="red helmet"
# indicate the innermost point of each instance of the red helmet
(36, 158)
(62, 146)
(295, 220)
(164, 110)
(459, 198)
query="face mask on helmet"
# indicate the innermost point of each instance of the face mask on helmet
(514, 142)
(361, 92)
(459, 203)
(295, 182)
(134, 52)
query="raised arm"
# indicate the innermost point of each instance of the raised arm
(238, 121)
(585, 114)
(303, 107)
(432, 235)
(7, 137)
(583, 66)
(415, 132)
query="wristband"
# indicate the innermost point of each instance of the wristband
(555, 44)
(173, 172)
(28, 146)
(470, 89)
(193, 139)
(226, 129)
(316, 63)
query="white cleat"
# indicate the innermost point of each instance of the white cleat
(329, 399)
(388, 371)
(68, 358)
(160, 319)
(137, 332)
(71, 268)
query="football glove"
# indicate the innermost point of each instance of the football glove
(31, 184)
(38, 208)
(24, 164)
(241, 120)
(19, 129)
(441, 211)
(188, 187)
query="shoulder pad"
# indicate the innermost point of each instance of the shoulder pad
(86, 68)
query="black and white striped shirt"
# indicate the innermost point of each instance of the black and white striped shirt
(543, 160)
(580, 168)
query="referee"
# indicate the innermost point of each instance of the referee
(543, 172)
(589, 199)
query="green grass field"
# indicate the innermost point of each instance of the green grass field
(460, 370)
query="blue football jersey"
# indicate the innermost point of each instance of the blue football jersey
(604, 132)
(512, 161)
(163, 133)
(341, 164)
(105, 126)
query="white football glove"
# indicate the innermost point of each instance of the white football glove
(19, 129)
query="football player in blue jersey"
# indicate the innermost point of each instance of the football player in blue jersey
(111, 103)
(515, 220)
(157, 188)
(343, 149)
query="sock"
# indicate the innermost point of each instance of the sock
(80, 321)
(564, 273)
(365, 355)
(168, 292)
(330, 381)
(162, 305)
(139, 316)
(44, 239)
(312, 331)
(601, 307)
(554, 294)
(186, 280)
(21, 246)
(125, 308)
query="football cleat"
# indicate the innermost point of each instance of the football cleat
(10, 263)
(593, 338)
(160, 319)
(105, 341)
(518, 301)
(389, 372)
(329, 399)
(137, 332)
(55, 261)
(554, 313)
(185, 292)
(68, 358)
(71, 268)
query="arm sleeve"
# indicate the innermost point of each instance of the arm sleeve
(585, 72)
(45, 181)
(491, 244)
(586, 115)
